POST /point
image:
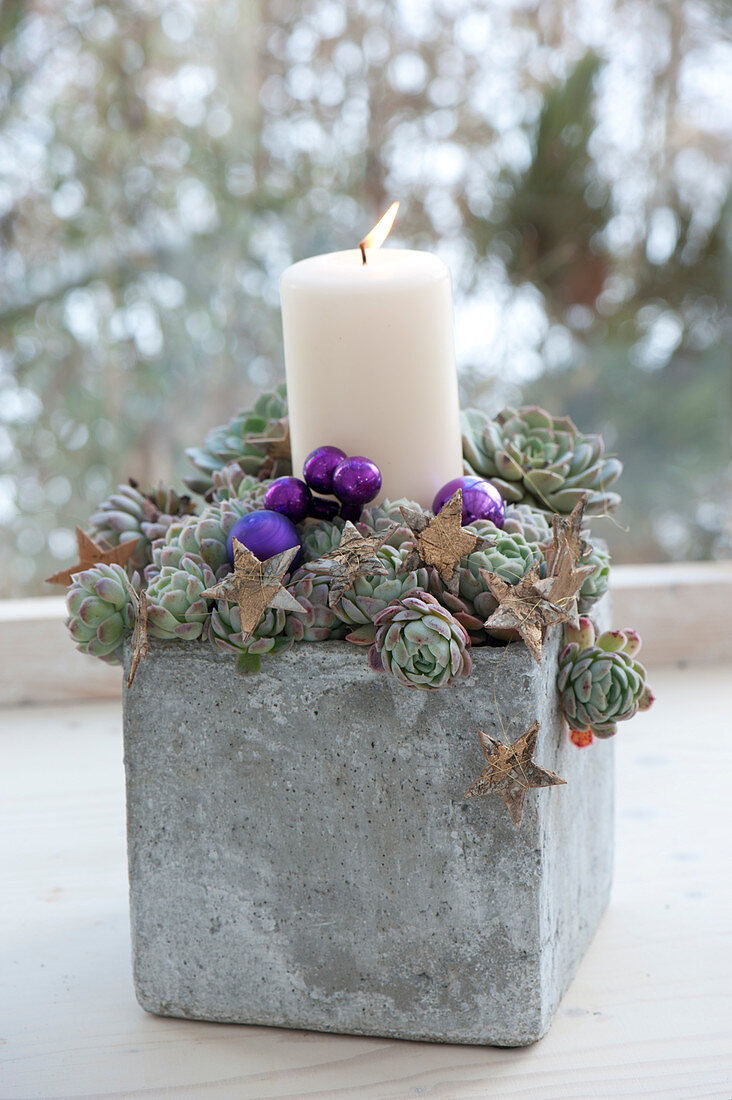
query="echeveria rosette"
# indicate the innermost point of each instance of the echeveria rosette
(319, 537)
(598, 582)
(205, 536)
(270, 636)
(131, 514)
(539, 459)
(233, 483)
(420, 643)
(176, 608)
(230, 442)
(319, 622)
(368, 596)
(533, 524)
(101, 611)
(379, 518)
(599, 681)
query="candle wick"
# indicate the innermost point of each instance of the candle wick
(362, 246)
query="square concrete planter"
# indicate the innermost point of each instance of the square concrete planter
(301, 854)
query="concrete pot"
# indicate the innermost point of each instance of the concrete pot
(301, 854)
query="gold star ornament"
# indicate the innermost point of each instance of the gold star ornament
(440, 541)
(523, 609)
(255, 586)
(511, 771)
(565, 576)
(355, 556)
(90, 554)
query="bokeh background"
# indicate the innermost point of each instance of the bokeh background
(162, 161)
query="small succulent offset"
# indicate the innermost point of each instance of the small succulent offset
(420, 643)
(535, 458)
(176, 608)
(271, 636)
(230, 442)
(598, 583)
(131, 514)
(101, 607)
(599, 681)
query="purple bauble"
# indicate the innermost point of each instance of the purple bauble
(322, 508)
(265, 533)
(290, 497)
(320, 465)
(356, 480)
(481, 500)
(351, 512)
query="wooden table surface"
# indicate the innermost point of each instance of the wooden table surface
(648, 1015)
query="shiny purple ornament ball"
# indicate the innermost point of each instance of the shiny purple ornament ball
(356, 480)
(265, 533)
(320, 465)
(481, 500)
(290, 497)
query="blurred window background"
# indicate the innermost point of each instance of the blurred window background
(162, 161)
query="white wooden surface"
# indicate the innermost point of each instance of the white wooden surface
(649, 1014)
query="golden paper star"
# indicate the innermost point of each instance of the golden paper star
(355, 556)
(440, 541)
(511, 771)
(565, 576)
(255, 586)
(90, 554)
(524, 609)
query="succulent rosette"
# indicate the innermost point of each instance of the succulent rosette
(131, 514)
(231, 442)
(177, 610)
(270, 636)
(232, 482)
(533, 524)
(101, 611)
(598, 582)
(420, 643)
(320, 621)
(380, 517)
(368, 596)
(599, 681)
(320, 537)
(543, 460)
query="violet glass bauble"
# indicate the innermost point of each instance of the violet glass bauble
(351, 512)
(356, 480)
(322, 508)
(320, 465)
(265, 533)
(290, 497)
(481, 500)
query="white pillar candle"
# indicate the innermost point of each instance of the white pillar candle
(370, 364)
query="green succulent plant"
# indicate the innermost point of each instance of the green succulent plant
(533, 524)
(378, 518)
(535, 458)
(362, 602)
(320, 621)
(270, 636)
(231, 442)
(319, 537)
(101, 611)
(131, 514)
(598, 582)
(176, 607)
(599, 681)
(232, 482)
(420, 643)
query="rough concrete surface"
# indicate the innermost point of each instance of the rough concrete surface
(301, 854)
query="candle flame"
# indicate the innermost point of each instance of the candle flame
(380, 232)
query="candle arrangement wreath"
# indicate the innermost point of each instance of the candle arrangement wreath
(268, 561)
